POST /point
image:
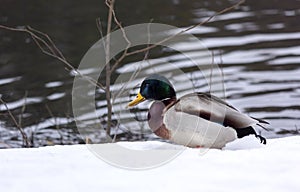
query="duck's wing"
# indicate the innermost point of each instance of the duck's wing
(214, 109)
(190, 130)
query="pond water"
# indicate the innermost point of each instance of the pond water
(257, 46)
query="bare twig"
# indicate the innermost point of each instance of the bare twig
(187, 29)
(49, 48)
(56, 124)
(5, 144)
(148, 41)
(99, 27)
(23, 109)
(135, 73)
(21, 130)
(211, 70)
(110, 4)
(222, 75)
(49, 40)
(116, 64)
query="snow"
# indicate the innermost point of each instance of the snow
(243, 165)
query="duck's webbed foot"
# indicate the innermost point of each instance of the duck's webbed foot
(242, 132)
(262, 139)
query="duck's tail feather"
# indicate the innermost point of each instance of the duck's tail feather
(263, 127)
(260, 120)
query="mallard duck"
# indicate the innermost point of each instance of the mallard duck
(194, 120)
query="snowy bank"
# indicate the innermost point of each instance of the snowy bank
(242, 166)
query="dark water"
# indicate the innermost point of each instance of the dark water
(258, 43)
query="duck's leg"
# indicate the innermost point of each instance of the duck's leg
(242, 132)
(262, 139)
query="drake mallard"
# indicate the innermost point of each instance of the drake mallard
(194, 120)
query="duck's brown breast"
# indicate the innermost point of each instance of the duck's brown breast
(155, 120)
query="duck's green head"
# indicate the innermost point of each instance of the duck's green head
(154, 87)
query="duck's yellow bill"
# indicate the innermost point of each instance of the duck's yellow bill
(139, 98)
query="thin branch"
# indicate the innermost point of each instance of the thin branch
(126, 53)
(50, 40)
(21, 130)
(136, 72)
(23, 108)
(121, 27)
(99, 27)
(222, 74)
(187, 29)
(51, 49)
(7, 145)
(47, 44)
(116, 64)
(211, 70)
(110, 4)
(148, 44)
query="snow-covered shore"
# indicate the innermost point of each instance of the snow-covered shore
(241, 166)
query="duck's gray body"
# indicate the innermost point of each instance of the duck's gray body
(198, 120)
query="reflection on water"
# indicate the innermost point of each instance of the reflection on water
(258, 46)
